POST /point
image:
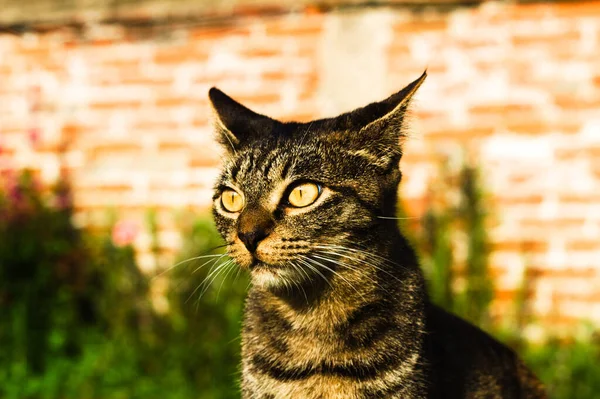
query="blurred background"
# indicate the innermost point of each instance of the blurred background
(107, 161)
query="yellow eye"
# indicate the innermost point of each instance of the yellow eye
(304, 195)
(232, 201)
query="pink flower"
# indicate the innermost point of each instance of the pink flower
(34, 136)
(124, 233)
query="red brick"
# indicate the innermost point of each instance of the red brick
(102, 42)
(217, 32)
(173, 145)
(275, 75)
(311, 26)
(571, 37)
(143, 124)
(115, 105)
(580, 199)
(532, 199)
(533, 127)
(173, 101)
(112, 148)
(572, 102)
(466, 134)
(522, 246)
(502, 109)
(591, 152)
(542, 272)
(584, 245)
(176, 54)
(259, 52)
(421, 25)
(574, 9)
(553, 223)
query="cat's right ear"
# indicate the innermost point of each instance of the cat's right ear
(236, 124)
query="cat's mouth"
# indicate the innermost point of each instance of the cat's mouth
(258, 265)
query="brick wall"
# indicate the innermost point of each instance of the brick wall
(123, 107)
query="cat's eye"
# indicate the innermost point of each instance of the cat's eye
(304, 194)
(231, 200)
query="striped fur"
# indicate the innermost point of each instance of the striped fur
(338, 306)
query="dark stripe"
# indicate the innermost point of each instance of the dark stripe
(286, 169)
(235, 170)
(268, 164)
(393, 388)
(351, 192)
(250, 158)
(360, 371)
(368, 324)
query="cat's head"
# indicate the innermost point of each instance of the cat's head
(291, 195)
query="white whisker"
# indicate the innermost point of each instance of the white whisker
(185, 261)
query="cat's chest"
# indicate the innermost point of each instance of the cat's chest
(304, 365)
(317, 387)
(393, 385)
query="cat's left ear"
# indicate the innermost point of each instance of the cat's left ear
(236, 124)
(391, 111)
(379, 126)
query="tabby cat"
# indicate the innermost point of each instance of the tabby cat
(338, 306)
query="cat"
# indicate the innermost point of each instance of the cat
(338, 306)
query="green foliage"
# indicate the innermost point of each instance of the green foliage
(569, 369)
(79, 319)
(458, 282)
(206, 295)
(455, 222)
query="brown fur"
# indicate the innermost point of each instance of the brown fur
(338, 306)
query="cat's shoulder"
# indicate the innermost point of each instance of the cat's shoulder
(467, 361)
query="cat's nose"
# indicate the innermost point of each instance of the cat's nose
(254, 226)
(252, 238)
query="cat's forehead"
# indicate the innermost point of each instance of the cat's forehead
(266, 163)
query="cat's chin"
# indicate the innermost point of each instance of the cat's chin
(269, 276)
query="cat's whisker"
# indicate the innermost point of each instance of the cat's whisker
(362, 271)
(299, 270)
(375, 266)
(201, 256)
(215, 268)
(237, 274)
(214, 261)
(305, 261)
(219, 270)
(363, 252)
(230, 267)
(306, 133)
(335, 273)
